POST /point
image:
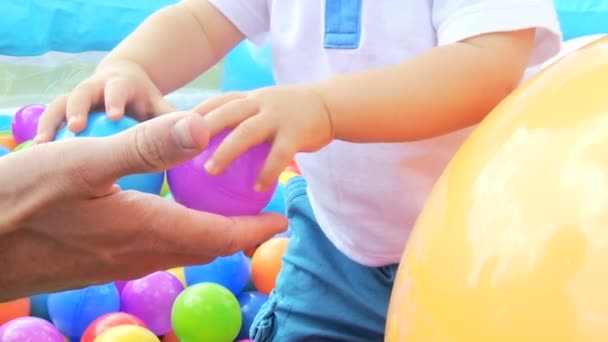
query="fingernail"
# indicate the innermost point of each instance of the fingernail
(181, 133)
(114, 110)
(211, 167)
(38, 138)
(71, 122)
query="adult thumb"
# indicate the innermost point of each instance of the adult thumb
(156, 145)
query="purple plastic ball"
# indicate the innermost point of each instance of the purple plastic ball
(29, 329)
(25, 122)
(120, 284)
(232, 192)
(151, 299)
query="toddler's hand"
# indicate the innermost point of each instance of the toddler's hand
(293, 118)
(115, 86)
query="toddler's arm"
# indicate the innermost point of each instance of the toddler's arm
(165, 52)
(444, 89)
(178, 43)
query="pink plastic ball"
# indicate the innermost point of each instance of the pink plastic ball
(151, 299)
(25, 122)
(230, 193)
(30, 329)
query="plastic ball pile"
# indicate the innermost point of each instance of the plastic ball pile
(212, 302)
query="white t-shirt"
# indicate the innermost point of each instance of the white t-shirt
(366, 197)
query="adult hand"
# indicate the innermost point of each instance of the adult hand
(64, 224)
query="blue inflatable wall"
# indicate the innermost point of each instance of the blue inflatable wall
(33, 27)
(582, 17)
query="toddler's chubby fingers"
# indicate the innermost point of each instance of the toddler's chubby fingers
(50, 120)
(79, 103)
(281, 153)
(116, 95)
(217, 101)
(231, 115)
(249, 133)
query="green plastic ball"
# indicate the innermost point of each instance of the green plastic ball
(164, 191)
(206, 312)
(24, 145)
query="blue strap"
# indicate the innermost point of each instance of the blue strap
(342, 24)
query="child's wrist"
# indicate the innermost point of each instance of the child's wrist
(319, 92)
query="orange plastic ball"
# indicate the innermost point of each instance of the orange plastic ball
(293, 167)
(267, 262)
(251, 251)
(170, 337)
(7, 140)
(14, 309)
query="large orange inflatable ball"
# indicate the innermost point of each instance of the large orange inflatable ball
(267, 262)
(512, 244)
(14, 309)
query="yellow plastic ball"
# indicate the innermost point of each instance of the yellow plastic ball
(286, 176)
(512, 244)
(179, 273)
(127, 333)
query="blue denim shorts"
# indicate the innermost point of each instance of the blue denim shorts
(322, 295)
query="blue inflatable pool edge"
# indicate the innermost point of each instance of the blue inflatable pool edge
(35, 27)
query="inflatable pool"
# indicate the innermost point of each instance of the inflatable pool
(35, 27)
(59, 42)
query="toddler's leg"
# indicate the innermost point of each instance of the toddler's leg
(321, 295)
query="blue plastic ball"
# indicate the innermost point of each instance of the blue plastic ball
(250, 302)
(99, 125)
(4, 151)
(247, 67)
(6, 122)
(277, 202)
(39, 306)
(232, 272)
(73, 311)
